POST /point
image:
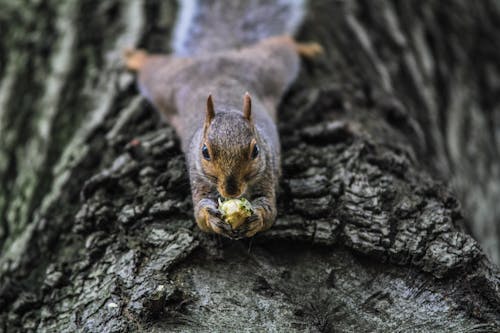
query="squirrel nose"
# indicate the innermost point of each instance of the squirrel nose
(230, 188)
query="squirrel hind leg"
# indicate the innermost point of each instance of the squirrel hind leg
(309, 50)
(135, 59)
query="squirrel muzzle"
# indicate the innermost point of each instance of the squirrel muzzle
(230, 188)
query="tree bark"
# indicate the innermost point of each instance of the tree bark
(383, 137)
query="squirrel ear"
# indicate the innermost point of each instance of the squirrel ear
(210, 110)
(247, 107)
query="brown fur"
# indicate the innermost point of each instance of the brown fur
(230, 130)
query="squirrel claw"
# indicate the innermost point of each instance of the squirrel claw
(253, 225)
(254, 228)
(216, 223)
(220, 227)
(214, 212)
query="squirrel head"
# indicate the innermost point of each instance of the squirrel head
(230, 153)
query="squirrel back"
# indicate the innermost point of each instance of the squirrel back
(206, 26)
(179, 86)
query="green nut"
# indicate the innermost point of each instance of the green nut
(235, 211)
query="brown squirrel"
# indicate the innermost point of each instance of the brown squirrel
(232, 146)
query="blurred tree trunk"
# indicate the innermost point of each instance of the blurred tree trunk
(96, 227)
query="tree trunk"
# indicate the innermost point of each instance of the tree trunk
(96, 226)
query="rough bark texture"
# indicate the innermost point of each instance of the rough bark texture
(97, 233)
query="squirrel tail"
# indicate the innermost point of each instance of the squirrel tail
(205, 26)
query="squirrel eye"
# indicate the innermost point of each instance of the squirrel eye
(205, 153)
(255, 152)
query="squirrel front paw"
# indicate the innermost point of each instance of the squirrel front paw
(216, 223)
(209, 219)
(253, 224)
